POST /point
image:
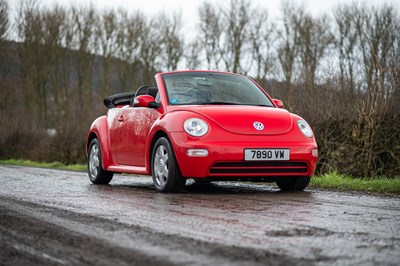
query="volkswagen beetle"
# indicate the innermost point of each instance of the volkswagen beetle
(201, 125)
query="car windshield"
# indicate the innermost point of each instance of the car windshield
(212, 88)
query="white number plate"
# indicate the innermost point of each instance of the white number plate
(266, 154)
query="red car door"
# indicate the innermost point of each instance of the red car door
(135, 124)
(115, 125)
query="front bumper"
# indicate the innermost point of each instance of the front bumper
(225, 158)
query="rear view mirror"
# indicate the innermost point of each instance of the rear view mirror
(278, 103)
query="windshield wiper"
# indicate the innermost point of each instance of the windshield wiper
(263, 105)
(230, 103)
(222, 103)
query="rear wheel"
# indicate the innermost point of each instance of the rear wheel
(167, 176)
(95, 170)
(295, 183)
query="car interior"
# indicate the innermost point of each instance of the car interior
(146, 90)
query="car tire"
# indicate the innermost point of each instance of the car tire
(295, 183)
(97, 174)
(165, 170)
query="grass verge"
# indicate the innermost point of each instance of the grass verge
(337, 181)
(53, 165)
(331, 181)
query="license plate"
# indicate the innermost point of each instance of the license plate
(266, 154)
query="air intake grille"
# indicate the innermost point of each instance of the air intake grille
(271, 167)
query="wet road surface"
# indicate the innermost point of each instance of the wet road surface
(59, 218)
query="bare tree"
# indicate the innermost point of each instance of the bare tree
(345, 41)
(83, 21)
(130, 30)
(150, 49)
(262, 37)
(377, 32)
(106, 35)
(4, 19)
(366, 41)
(210, 34)
(237, 20)
(4, 53)
(393, 65)
(172, 39)
(377, 28)
(312, 41)
(4, 27)
(287, 46)
(55, 56)
(192, 55)
(33, 65)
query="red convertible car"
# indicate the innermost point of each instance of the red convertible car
(204, 125)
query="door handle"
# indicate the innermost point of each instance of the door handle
(121, 118)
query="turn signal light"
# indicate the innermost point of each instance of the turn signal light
(197, 152)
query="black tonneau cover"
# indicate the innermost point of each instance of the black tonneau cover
(118, 99)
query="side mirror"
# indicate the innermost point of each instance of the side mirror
(145, 101)
(278, 103)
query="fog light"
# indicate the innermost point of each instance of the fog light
(315, 153)
(197, 152)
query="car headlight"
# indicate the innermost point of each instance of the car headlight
(305, 128)
(195, 127)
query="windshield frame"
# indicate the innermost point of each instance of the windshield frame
(267, 100)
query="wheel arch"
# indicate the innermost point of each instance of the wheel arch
(159, 134)
(91, 136)
(99, 130)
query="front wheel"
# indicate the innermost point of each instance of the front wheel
(294, 183)
(167, 176)
(97, 174)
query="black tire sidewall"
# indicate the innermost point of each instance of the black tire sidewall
(298, 183)
(174, 181)
(102, 177)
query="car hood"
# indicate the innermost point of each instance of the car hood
(241, 119)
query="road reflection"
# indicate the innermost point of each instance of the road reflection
(250, 215)
(212, 201)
